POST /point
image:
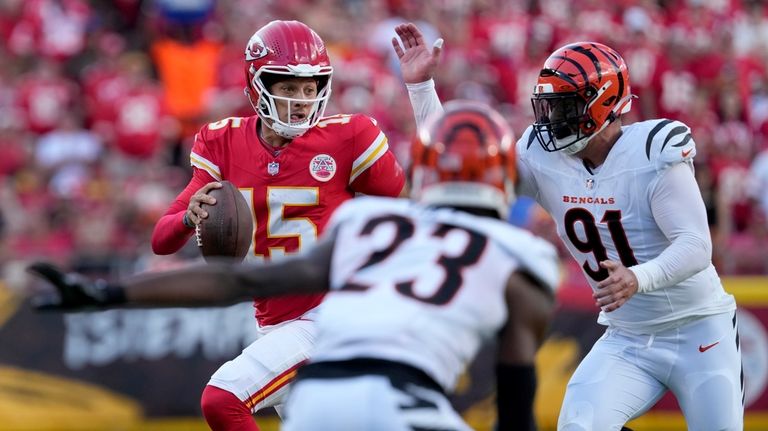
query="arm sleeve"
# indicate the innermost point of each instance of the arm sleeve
(526, 181)
(170, 234)
(678, 209)
(424, 101)
(383, 178)
(375, 170)
(515, 394)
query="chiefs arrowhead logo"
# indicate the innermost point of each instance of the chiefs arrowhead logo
(255, 48)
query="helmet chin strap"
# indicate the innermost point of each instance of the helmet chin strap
(576, 147)
(287, 132)
(282, 130)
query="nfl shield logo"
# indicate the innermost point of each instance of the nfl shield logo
(273, 168)
(590, 183)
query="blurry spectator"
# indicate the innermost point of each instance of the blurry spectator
(743, 251)
(759, 173)
(187, 66)
(66, 153)
(142, 123)
(673, 83)
(55, 29)
(702, 119)
(41, 234)
(103, 83)
(643, 55)
(45, 93)
(758, 104)
(502, 31)
(526, 71)
(11, 114)
(380, 33)
(750, 29)
(14, 147)
(734, 148)
(595, 20)
(189, 12)
(226, 97)
(98, 240)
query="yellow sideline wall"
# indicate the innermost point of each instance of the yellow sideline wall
(34, 401)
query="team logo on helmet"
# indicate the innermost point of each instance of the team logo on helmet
(255, 49)
(322, 167)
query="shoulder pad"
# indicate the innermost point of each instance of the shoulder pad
(342, 213)
(540, 259)
(221, 128)
(536, 256)
(526, 141)
(339, 120)
(668, 143)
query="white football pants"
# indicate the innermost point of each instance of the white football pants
(625, 374)
(368, 402)
(261, 374)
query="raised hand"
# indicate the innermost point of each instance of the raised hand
(417, 62)
(615, 290)
(71, 291)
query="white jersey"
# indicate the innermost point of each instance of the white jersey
(421, 286)
(607, 214)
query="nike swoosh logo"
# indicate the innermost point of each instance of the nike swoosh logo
(703, 349)
(686, 152)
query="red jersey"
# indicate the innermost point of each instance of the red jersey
(139, 119)
(292, 190)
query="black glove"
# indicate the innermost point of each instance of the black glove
(73, 291)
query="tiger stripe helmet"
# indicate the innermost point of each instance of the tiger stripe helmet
(465, 158)
(583, 87)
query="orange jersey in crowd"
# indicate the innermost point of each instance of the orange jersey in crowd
(292, 190)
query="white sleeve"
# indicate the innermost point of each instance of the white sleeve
(424, 101)
(526, 181)
(679, 212)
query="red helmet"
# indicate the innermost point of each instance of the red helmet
(289, 49)
(582, 88)
(465, 157)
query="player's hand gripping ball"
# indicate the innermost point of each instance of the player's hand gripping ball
(227, 232)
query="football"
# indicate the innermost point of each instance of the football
(228, 230)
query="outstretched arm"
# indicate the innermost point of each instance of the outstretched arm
(530, 306)
(201, 285)
(418, 64)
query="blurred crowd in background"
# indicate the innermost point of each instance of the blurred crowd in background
(100, 100)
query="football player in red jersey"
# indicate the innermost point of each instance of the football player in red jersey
(294, 167)
(455, 274)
